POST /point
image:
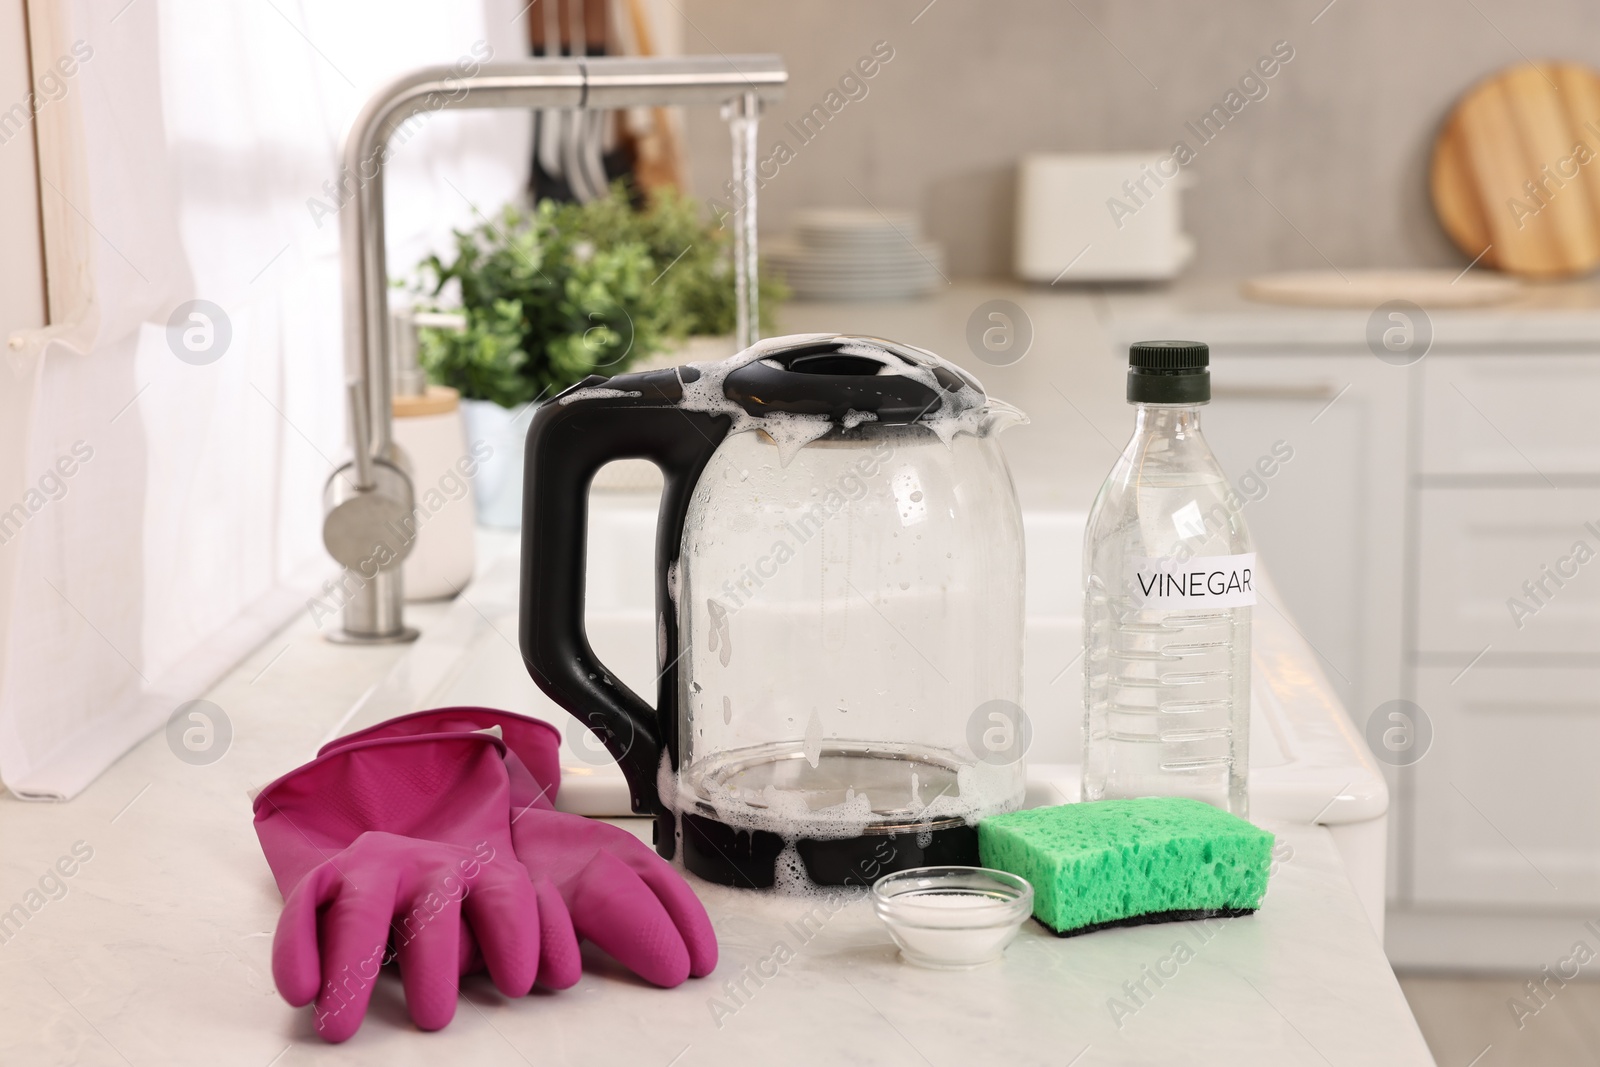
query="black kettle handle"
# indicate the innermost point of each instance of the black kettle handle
(630, 416)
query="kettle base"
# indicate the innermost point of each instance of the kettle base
(748, 859)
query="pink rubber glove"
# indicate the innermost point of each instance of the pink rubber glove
(401, 836)
(620, 894)
(532, 747)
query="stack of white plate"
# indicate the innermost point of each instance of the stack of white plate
(849, 254)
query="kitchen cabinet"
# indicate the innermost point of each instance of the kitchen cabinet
(1504, 654)
(1508, 570)
(1512, 413)
(1505, 800)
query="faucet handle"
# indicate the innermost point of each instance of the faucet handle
(360, 433)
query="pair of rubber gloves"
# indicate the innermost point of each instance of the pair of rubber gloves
(430, 838)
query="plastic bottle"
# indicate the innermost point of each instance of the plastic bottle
(1168, 585)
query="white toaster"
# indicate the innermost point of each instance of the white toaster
(1100, 217)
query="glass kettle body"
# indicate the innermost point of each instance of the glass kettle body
(840, 608)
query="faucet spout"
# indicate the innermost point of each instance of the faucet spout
(603, 83)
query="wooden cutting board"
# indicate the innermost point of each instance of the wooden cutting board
(1516, 170)
(1368, 289)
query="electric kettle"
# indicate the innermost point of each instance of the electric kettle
(839, 582)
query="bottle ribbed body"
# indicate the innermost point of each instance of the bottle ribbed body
(1169, 580)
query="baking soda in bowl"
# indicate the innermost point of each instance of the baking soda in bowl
(952, 917)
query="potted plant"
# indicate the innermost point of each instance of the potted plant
(557, 293)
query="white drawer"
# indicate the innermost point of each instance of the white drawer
(1505, 810)
(1520, 415)
(1477, 547)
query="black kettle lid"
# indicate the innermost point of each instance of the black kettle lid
(835, 375)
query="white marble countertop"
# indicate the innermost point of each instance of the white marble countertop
(155, 950)
(1559, 314)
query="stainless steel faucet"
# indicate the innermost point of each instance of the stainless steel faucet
(368, 520)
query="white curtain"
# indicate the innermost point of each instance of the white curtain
(171, 516)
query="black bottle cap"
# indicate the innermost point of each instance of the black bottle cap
(1169, 372)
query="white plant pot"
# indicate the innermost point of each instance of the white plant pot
(432, 437)
(497, 490)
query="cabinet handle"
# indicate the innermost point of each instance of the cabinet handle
(1314, 391)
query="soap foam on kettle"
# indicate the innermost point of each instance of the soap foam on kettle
(787, 814)
(597, 392)
(955, 410)
(789, 817)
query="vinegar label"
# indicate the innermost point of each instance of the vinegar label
(1198, 582)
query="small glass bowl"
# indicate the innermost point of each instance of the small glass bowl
(952, 918)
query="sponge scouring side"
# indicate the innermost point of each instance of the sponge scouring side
(1124, 862)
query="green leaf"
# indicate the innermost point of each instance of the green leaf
(563, 291)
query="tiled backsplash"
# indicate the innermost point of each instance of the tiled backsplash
(1324, 162)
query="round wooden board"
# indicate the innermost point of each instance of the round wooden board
(1516, 171)
(1370, 288)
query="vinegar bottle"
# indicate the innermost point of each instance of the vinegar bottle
(1168, 585)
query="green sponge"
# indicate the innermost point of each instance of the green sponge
(1127, 862)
